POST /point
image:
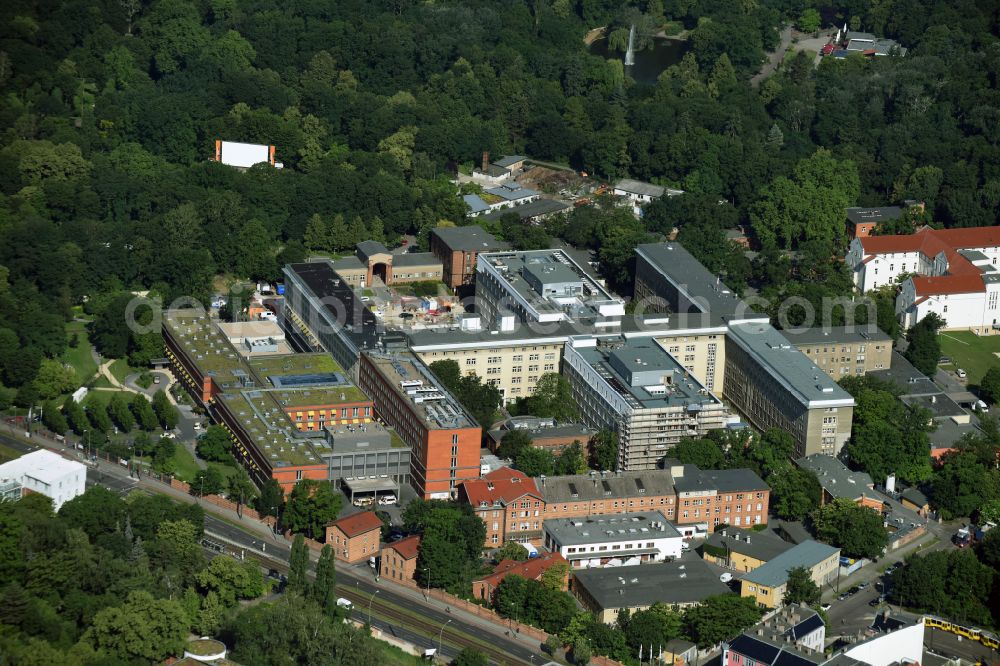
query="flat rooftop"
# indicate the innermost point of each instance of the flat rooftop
(862, 333)
(414, 381)
(687, 580)
(644, 374)
(876, 214)
(602, 529)
(788, 366)
(204, 343)
(524, 272)
(909, 380)
(260, 415)
(362, 439)
(335, 296)
(237, 330)
(468, 239)
(43, 465)
(703, 291)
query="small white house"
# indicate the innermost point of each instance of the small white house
(639, 193)
(616, 540)
(46, 473)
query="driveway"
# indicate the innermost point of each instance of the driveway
(775, 58)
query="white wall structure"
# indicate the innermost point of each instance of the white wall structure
(48, 474)
(892, 648)
(243, 155)
(618, 540)
(951, 272)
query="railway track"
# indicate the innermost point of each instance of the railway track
(394, 615)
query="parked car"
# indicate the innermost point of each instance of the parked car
(169, 435)
(156, 379)
(961, 373)
(387, 499)
(726, 577)
(826, 607)
(344, 603)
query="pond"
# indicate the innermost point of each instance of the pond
(650, 63)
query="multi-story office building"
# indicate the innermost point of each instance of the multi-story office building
(542, 287)
(843, 351)
(776, 386)
(509, 504)
(694, 500)
(700, 308)
(444, 438)
(324, 313)
(511, 361)
(275, 407)
(640, 391)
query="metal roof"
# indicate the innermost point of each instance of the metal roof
(806, 554)
(640, 187)
(687, 580)
(836, 335)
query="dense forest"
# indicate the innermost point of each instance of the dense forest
(110, 111)
(114, 581)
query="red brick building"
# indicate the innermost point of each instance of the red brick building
(399, 560)
(458, 247)
(510, 505)
(443, 437)
(355, 538)
(532, 569)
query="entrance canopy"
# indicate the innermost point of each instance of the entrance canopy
(369, 485)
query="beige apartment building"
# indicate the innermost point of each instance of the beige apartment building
(774, 385)
(844, 351)
(512, 362)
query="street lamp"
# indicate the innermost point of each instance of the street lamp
(427, 594)
(370, 606)
(441, 634)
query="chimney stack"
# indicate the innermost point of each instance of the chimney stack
(486, 161)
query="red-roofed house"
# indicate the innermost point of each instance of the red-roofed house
(355, 538)
(532, 569)
(509, 503)
(399, 560)
(951, 272)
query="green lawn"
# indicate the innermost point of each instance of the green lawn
(393, 655)
(120, 369)
(973, 353)
(79, 357)
(104, 397)
(185, 466)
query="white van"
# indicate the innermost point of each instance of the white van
(344, 603)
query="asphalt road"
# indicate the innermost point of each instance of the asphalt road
(393, 610)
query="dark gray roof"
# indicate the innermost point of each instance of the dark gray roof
(416, 259)
(701, 288)
(835, 477)
(369, 247)
(722, 480)
(348, 263)
(766, 653)
(589, 487)
(529, 210)
(508, 160)
(493, 170)
(789, 367)
(468, 239)
(910, 380)
(806, 554)
(861, 214)
(763, 545)
(646, 584)
(914, 496)
(807, 626)
(835, 334)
